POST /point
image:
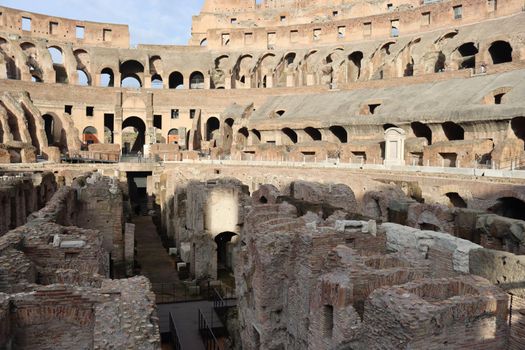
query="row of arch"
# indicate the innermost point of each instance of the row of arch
(269, 70)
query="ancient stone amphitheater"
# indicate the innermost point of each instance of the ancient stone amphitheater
(331, 174)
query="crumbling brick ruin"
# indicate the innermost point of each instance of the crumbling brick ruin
(55, 287)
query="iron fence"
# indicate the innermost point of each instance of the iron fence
(206, 333)
(175, 340)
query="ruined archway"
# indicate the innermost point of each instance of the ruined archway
(173, 136)
(289, 136)
(509, 207)
(131, 74)
(456, 200)
(467, 53)
(225, 242)
(453, 131)
(340, 133)
(176, 80)
(107, 78)
(133, 135)
(355, 60)
(90, 135)
(500, 52)
(212, 125)
(197, 80)
(313, 133)
(49, 125)
(422, 130)
(518, 127)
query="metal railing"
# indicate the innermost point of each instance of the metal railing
(206, 333)
(220, 303)
(174, 334)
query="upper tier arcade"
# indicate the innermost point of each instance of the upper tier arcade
(28, 25)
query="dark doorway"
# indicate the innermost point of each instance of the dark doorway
(138, 195)
(509, 207)
(224, 250)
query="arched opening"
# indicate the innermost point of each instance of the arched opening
(456, 200)
(90, 135)
(500, 52)
(56, 55)
(49, 126)
(173, 136)
(509, 207)
(440, 63)
(212, 125)
(229, 122)
(468, 52)
(131, 82)
(12, 70)
(257, 134)
(244, 134)
(313, 133)
(453, 131)
(289, 58)
(107, 78)
(196, 80)
(518, 127)
(290, 134)
(422, 130)
(176, 81)
(131, 72)
(204, 42)
(133, 135)
(340, 133)
(409, 68)
(156, 82)
(83, 79)
(355, 59)
(225, 244)
(389, 126)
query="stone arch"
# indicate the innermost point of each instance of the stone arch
(196, 80)
(289, 135)
(156, 81)
(355, 60)
(173, 136)
(456, 200)
(224, 242)
(422, 130)
(107, 78)
(510, 207)
(132, 72)
(83, 65)
(57, 58)
(12, 70)
(314, 133)
(466, 55)
(500, 52)
(518, 127)
(212, 125)
(140, 128)
(90, 135)
(453, 131)
(176, 80)
(55, 133)
(339, 132)
(204, 42)
(242, 70)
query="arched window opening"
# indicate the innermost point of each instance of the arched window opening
(257, 134)
(440, 63)
(500, 52)
(313, 133)
(196, 80)
(453, 131)
(89, 135)
(49, 126)
(389, 126)
(176, 81)
(340, 133)
(173, 136)
(83, 79)
(422, 130)
(212, 125)
(409, 69)
(229, 122)
(156, 81)
(204, 42)
(356, 59)
(107, 78)
(225, 241)
(244, 132)
(133, 135)
(131, 69)
(290, 58)
(290, 134)
(456, 200)
(131, 82)
(509, 207)
(56, 55)
(468, 52)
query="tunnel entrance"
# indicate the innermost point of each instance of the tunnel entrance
(138, 194)
(225, 242)
(509, 207)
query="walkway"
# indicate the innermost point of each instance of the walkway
(155, 263)
(187, 321)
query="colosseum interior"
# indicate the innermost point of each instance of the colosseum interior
(330, 174)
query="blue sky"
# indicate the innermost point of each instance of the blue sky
(150, 21)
